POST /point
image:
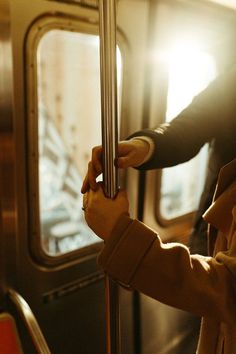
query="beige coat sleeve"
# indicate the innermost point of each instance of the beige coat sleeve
(135, 256)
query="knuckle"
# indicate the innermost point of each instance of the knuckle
(94, 150)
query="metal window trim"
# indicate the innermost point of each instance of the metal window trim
(35, 34)
(189, 7)
(38, 29)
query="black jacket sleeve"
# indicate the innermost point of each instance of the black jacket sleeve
(211, 115)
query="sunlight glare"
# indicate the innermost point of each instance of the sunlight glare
(190, 71)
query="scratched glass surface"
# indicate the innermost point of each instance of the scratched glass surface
(69, 126)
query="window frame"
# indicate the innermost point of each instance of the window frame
(38, 29)
(179, 227)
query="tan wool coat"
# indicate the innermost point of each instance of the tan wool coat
(136, 257)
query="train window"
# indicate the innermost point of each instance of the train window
(190, 71)
(68, 87)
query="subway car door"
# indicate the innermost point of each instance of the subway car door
(188, 44)
(53, 122)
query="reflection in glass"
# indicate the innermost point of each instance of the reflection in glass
(190, 71)
(68, 76)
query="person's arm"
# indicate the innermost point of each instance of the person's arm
(209, 116)
(135, 256)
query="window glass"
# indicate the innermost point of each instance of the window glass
(68, 80)
(190, 71)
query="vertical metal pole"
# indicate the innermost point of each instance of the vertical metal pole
(107, 27)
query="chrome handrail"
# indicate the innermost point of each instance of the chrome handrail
(30, 321)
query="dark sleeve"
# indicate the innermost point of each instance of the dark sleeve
(208, 117)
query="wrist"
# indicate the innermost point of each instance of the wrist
(118, 228)
(151, 146)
